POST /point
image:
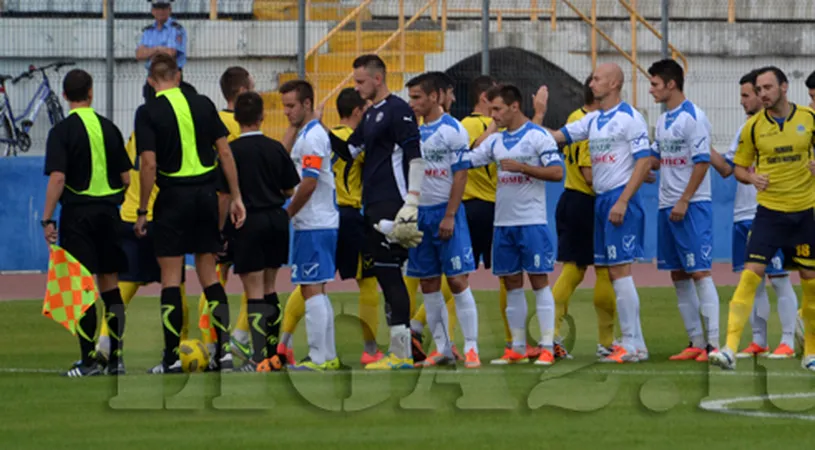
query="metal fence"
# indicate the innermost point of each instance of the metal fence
(529, 42)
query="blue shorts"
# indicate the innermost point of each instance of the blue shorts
(522, 248)
(434, 256)
(740, 232)
(616, 245)
(685, 245)
(313, 253)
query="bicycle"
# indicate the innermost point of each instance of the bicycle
(14, 131)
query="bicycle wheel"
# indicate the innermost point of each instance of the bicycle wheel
(6, 136)
(55, 114)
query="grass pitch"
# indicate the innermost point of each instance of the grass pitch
(577, 404)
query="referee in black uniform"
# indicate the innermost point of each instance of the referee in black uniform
(175, 137)
(88, 170)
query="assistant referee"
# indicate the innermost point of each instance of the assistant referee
(175, 136)
(88, 170)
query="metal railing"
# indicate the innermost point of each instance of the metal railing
(355, 15)
(533, 11)
(400, 33)
(635, 19)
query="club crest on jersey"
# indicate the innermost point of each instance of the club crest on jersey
(379, 116)
(801, 129)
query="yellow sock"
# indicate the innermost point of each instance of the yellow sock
(502, 303)
(412, 288)
(741, 305)
(421, 315)
(450, 303)
(294, 311)
(369, 308)
(605, 305)
(564, 287)
(808, 315)
(185, 313)
(128, 290)
(243, 319)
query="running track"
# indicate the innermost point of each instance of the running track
(32, 286)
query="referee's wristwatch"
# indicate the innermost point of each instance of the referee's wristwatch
(141, 212)
(45, 223)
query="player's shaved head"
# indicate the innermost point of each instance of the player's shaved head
(606, 80)
(614, 72)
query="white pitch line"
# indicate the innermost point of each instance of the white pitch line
(721, 406)
(525, 370)
(15, 370)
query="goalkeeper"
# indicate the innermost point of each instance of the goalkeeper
(391, 181)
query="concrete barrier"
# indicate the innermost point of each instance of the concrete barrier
(22, 195)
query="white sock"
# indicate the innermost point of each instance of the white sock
(628, 305)
(436, 314)
(709, 298)
(330, 343)
(640, 337)
(467, 315)
(760, 315)
(400, 342)
(689, 310)
(286, 339)
(545, 307)
(316, 326)
(416, 326)
(241, 336)
(787, 308)
(516, 316)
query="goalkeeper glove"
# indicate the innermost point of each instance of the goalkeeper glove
(406, 227)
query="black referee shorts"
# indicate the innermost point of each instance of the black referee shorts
(793, 233)
(480, 219)
(383, 252)
(90, 232)
(574, 219)
(185, 220)
(262, 242)
(353, 259)
(142, 265)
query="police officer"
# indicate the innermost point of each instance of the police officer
(165, 35)
(88, 170)
(175, 137)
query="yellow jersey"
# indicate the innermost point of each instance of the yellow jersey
(228, 118)
(347, 177)
(781, 149)
(481, 181)
(131, 203)
(576, 155)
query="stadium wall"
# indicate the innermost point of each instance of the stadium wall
(718, 55)
(22, 190)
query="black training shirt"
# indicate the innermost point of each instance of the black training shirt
(265, 170)
(157, 130)
(68, 150)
